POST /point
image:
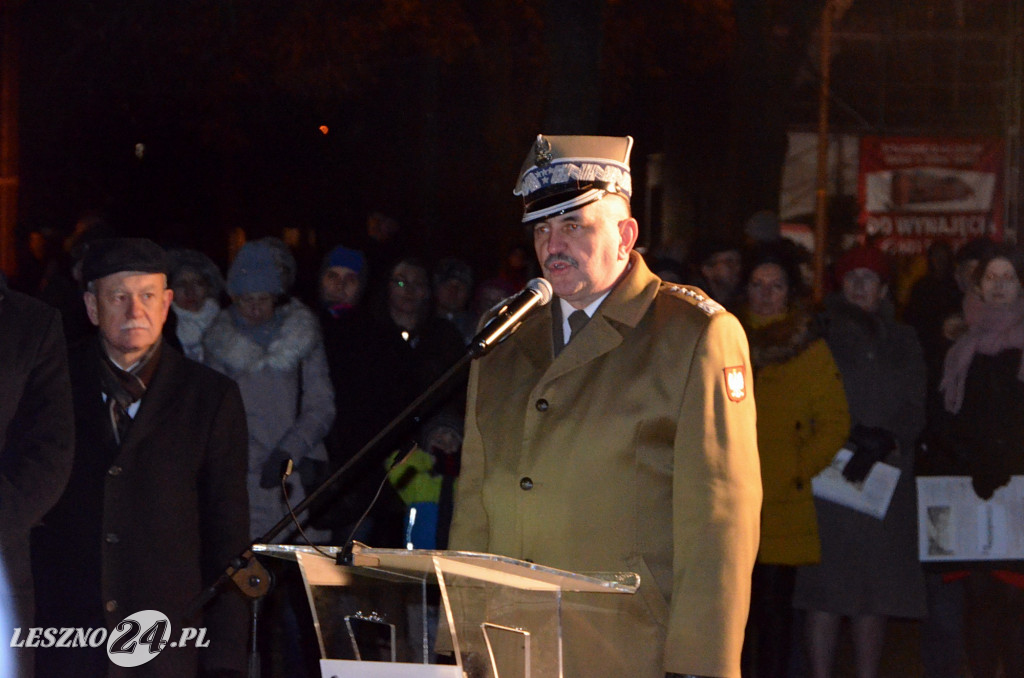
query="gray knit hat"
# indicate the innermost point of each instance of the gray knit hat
(255, 269)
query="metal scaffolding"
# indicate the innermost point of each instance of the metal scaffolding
(925, 68)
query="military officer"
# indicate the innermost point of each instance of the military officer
(615, 431)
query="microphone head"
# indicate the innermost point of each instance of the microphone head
(543, 289)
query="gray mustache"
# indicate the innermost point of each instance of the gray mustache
(552, 258)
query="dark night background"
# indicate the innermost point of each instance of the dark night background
(431, 105)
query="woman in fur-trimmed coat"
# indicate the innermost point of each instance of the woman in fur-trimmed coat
(802, 421)
(271, 345)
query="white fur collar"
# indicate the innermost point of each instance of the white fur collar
(192, 324)
(298, 335)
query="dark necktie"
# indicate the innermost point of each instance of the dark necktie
(577, 320)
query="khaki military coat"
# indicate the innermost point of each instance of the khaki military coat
(626, 452)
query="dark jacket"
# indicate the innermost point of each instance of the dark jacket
(371, 386)
(145, 526)
(36, 432)
(987, 435)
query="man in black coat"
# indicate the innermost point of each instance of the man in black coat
(36, 439)
(157, 504)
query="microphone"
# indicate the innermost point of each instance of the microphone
(537, 292)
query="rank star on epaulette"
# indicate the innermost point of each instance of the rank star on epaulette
(710, 306)
(736, 383)
(706, 304)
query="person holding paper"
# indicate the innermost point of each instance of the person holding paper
(869, 569)
(983, 388)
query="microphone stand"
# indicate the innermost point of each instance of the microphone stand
(250, 576)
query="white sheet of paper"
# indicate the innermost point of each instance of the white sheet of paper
(872, 496)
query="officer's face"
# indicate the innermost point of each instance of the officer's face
(584, 252)
(130, 309)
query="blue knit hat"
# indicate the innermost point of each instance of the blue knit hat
(346, 258)
(255, 270)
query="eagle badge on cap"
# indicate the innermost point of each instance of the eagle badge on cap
(736, 383)
(542, 151)
(562, 173)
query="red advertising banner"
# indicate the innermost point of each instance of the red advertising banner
(916, 190)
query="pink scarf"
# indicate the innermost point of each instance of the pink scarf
(990, 330)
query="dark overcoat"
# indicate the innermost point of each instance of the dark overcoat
(870, 566)
(36, 434)
(147, 524)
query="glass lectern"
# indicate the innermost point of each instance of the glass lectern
(392, 613)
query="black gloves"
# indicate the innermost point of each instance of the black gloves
(869, 444)
(270, 474)
(312, 472)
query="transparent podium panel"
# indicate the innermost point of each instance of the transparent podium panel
(488, 616)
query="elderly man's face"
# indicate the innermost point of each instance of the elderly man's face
(584, 252)
(130, 309)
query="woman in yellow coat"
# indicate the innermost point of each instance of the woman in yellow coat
(802, 421)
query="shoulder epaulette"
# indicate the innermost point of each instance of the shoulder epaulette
(694, 296)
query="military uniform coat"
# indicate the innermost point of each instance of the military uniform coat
(623, 453)
(148, 524)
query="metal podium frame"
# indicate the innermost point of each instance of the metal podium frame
(468, 583)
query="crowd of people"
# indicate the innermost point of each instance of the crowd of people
(931, 386)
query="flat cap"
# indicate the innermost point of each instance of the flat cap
(116, 255)
(564, 173)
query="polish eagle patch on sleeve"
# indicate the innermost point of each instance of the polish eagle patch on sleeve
(736, 382)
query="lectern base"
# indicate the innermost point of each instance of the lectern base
(343, 668)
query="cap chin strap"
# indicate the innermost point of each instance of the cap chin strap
(585, 198)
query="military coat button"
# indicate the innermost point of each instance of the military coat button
(526, 483)
(111, 538)
(542, 405)
(110, 606)
(114, 470)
